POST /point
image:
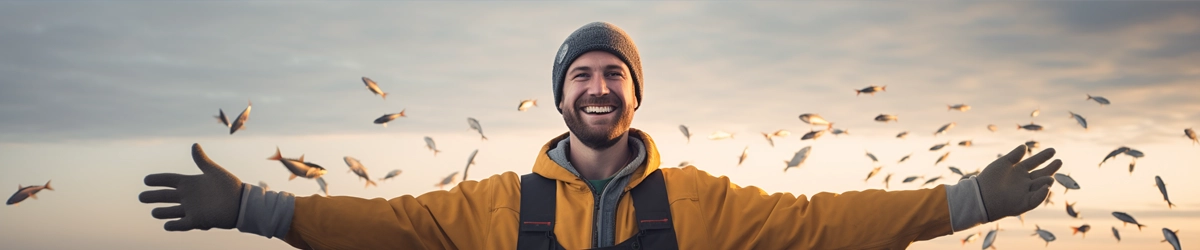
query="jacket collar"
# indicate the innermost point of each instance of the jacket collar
(546, 167)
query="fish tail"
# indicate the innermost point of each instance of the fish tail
(884, 88)
(1089, 96)
(370, 183)
(1140, 226)
(483, 137)
(47, 186)
(277, 156)
(1074, 230)
(1169, 204)
(857, 92)
(384, 95)
(402, 113)
(435, 151)
(535, 103)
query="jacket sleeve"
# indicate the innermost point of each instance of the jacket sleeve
(870, 219)
(454, 219)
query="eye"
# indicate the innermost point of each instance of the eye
(581, 76)
(614, 74)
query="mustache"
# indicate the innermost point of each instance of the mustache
(606, 100)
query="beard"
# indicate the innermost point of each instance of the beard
(605, 133)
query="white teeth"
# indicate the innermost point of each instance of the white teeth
(597, 109)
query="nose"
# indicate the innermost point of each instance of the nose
(596, 86)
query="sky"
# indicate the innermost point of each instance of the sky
(98, 94)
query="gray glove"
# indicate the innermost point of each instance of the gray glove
(206, 201)
(1009, 189)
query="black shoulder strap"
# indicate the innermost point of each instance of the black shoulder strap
(650, 203)
(538, 200)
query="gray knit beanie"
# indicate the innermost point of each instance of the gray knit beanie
(594, 36)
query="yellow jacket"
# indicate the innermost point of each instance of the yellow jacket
(709, 213)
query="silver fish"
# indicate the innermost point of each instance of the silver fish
(870, 90)
(470, 161)
(939, 146)
(1170, 237)
(323, 185)
(1191, 134)
(1046, 235)
(1113, 154)
(990, 239)
(1126, 219)
(27, 192)
(1162, 188)
(686, 134)
(373, 87)
(1067, 182)
(391, 174)
(526, 104)
(240, 122)
(966, 143)
(887, 181)
(1030, 145)
(956, 171)
(872, 173)
(1081, 229)
(838, 131)
(1079, 119)
(1135, 153)
(971, 238)
(358, 170)
(943, 158)
(389, 117)
(901, 135)
(1071, 210)
(1101, 100)
(812, 135)
(782, 133)
(1035, 112)
(431, 145)
(221, 117)
(298, 167)
(931, 180)
(886, 118)
(993, 127)
(1030, 127)
(446, 181)
(872, 156)
(815, 119)
(769, 140)
(905, 158)
(475, 125)
(743, 157)
(264, 185)
(798, 158)
(945, 128)
(959, 107)
(911, 179)
(1116, 233)
(720, 135)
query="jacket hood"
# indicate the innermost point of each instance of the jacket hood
(546, 167)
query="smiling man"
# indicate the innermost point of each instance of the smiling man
(599, 186)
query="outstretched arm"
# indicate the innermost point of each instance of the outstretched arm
(454, 219)
(871, 219)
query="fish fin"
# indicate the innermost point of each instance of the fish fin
(301, 158)
(1140, 226)
(370, 183)
(292, 177)
(485, 137)
(34, 196)
(47, 186)
(435, 152)
(277, 156)
(402, 113)
(385, 124)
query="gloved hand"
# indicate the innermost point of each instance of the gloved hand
(206, 201)
(1008, 188)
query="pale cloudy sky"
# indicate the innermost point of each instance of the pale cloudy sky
(98, 94)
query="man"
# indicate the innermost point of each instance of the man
(600, 186)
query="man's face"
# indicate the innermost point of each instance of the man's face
(598, 99)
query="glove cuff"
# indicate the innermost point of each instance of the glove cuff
(966, 205)
(265, 213)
